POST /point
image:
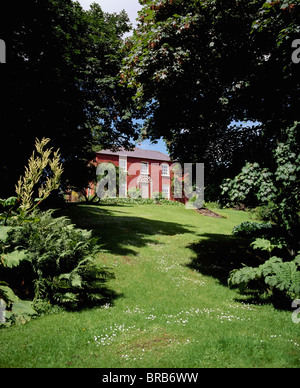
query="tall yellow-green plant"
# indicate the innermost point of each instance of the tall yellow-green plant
(27, 184)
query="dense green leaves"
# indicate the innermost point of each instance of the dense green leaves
(216, 78)
(274, 273)
(4, 232)
(279, 189)
(7, 294)
(268, 245)
(256, 185)
(21, 312)
(61, 262)
(13, 259)
(283, 276)
(252, 229)
(249, 186)
(61, 81)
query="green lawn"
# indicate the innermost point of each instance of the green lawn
(170, 305)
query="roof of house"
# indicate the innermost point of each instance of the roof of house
(138, 153)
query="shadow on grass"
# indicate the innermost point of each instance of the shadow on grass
(119, 233)
(218, 254)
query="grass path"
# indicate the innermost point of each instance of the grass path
(171, 307)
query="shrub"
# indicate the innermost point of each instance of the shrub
(62, 260)
(8, 209)
(15, 311)
(249, 187)
(37, 165)
(42, 176)
(279, 188)
(134, 193)
(268, 245)
(266, 212)
(253, 229)
(41, 257)
(274, 275)
(139, 201)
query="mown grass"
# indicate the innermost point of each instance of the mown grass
(170, 306)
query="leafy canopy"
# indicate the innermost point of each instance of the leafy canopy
(61, 82)
(280, 186)
(201, 67)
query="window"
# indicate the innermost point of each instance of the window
(165, 169)
(144, 168)
(166, 191)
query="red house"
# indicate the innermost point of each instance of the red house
(148, 171)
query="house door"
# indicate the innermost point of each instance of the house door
(145, 189)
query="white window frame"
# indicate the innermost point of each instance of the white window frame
(144, 164)
(168, 191)
(162, 170)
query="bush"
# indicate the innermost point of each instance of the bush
(248, 187)
(139, 201)
(278, 189)
(44, 258)
(63, 267)
(266, 212)
(253, 229)
(276, 276)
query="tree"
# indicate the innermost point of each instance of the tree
(200, 67)
(278, 187)
(60, 81)
(111, 113)
(109, 106)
